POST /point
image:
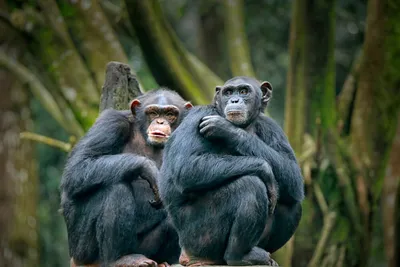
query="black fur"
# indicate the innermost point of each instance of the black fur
(105, 203)
(216, 176)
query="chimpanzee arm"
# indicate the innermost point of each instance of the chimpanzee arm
(97, 160)
(191, 162)
(271, 144)
(202, 172)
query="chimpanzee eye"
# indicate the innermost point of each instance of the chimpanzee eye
(243, 91)
(170, 117)
(152, 114)
(228, 92)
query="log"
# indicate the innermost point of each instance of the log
(120, 87)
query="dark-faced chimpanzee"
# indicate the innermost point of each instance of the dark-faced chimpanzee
(219, 172)
(109, 183)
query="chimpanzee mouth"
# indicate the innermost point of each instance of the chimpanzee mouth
(158, 134)
(235, 113)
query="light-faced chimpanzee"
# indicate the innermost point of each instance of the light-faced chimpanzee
(109, 183)
(216, 173)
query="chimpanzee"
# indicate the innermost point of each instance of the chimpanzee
(216, 170)
(107, 207)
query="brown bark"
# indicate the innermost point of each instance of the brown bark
(239, 53)
(119, 88)
(376, 109)
(171, 64)
(389, 194)
(18, 178)
(310, 91)
(93, 35)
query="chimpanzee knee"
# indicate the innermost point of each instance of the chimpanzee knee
(285, 222)
(116, 233)
(250, 218)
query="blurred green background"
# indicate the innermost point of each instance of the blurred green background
(334, 65)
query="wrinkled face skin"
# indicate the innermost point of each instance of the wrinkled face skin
(158, 116)
(241, 99)
(161, 119)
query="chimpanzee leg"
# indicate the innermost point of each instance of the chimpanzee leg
(249, 224)
(161, 244)
(285, 222)
(116, 233)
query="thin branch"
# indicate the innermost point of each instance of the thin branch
(46, 140)
(342, 255)
(329, 222)
(237, 39)
(321, 199)
(346, 97)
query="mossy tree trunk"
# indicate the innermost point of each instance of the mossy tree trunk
(390, 209)
(358, 155)
(310, 97)
(376, 109)
(171, 64)
(19, 179)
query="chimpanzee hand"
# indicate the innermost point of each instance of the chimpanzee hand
(150, 173)
(216, 126)
(267, 176)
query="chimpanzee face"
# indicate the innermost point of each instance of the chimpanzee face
(159, 115)
(162, 121)
(241, 99)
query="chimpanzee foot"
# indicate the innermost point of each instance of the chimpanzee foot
(164, 264)
(256, 256)
(191, 261)
(134, 260)
(184, 258)
(73, 264)
(272, 262)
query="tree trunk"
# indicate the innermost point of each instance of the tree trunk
(310, 92)
(171, 64)
(237, 40)
(389, 195)
(376, 108)
(19, 180)
(93, 35)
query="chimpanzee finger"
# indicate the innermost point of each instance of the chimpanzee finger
(205, 130)
(210, 117)
(206, 123)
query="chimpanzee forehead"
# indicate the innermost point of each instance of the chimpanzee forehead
(161, 108)
(242, 81)
(163, 98)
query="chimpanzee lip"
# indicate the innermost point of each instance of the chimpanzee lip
(158, 134)
(235, 112)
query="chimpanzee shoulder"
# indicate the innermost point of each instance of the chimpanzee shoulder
(273, 135)
(108, 135)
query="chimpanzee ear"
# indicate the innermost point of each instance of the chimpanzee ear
(266, 89)
(188, 105)
(134, 104)
(217, 90)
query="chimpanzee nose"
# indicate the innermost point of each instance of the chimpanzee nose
(160, 121)
(234, 100)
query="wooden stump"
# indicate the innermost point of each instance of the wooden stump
(120, 87)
